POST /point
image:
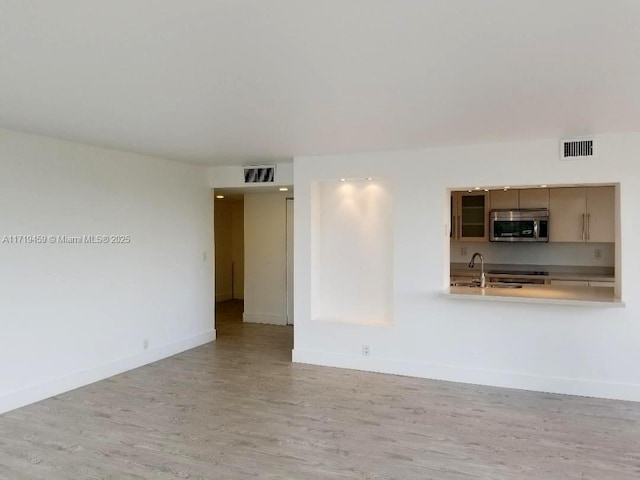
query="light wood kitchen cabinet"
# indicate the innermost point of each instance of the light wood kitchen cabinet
(533, 198)
(469, 216)
(567, 208)
(503, 199)
(601, 215)
(514, 198)
(582, 214)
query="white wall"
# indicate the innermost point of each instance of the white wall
(73, 314)
(566, 349)
(229, 248)
(265, 276)
(575, 254)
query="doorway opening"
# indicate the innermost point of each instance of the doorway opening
(253, 244)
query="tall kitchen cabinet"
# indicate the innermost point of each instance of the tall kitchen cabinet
(582, 214)
(469, 216)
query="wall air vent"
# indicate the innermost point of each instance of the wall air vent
(260, 174)
(573, 149)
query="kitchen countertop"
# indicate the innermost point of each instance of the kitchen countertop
(555, 272)
(545, 294)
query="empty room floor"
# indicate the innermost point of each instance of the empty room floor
(238, 408)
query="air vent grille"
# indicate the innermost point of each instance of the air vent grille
(579, 148)
(260, 174)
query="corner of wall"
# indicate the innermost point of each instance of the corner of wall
(36, 393)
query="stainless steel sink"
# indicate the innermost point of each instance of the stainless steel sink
(489, 285)
(465, 284)
(504, 285)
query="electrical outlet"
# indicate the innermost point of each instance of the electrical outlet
(365, 350)
(145, 344)
(597, 253)
(463, 251)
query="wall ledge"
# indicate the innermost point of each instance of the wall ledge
(82, 378)
(490, 378)
(572, 296)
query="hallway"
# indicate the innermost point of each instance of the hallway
(238, 408)
(251, 340)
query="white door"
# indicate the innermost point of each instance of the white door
(289, 261)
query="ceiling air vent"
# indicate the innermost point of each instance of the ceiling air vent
(260, 174)
(573, 149)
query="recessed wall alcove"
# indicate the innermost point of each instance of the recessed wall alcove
(352, 251)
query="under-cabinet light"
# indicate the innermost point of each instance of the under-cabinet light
(220, 196)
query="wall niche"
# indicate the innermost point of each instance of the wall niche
(352, 251)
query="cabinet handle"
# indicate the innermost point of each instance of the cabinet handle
(584, 236)
(588, 226)
(459, 226)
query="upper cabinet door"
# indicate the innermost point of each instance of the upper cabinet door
(567, 214)
(601, 214)
(472, 216)
(534, 198)
(503, 199)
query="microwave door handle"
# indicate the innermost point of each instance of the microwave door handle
(535, 229)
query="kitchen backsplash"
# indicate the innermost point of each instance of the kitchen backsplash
(583, 254)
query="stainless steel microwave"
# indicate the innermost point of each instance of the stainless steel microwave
(525, 225)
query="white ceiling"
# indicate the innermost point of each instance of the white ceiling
(242, 81)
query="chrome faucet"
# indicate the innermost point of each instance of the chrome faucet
(472, 263)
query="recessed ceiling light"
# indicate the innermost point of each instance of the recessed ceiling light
(507, 188)
(486, 189)
(477, 188)
(343, 179)
(283, 189)
(369, 178)
(220, 196)
(543, 186)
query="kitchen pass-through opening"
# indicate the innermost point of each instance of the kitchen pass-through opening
(560, 239)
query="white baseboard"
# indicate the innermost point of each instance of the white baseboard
(520, 381)
(264, 318)
(36, 393)
(223, 297)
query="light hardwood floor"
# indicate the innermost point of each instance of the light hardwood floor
(238, 408)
